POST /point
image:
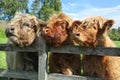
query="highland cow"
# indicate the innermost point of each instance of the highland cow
(57, 33)
(92, 32)
(22, 31)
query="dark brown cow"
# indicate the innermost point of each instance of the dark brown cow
(57, 34)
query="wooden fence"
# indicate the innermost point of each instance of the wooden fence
(42, 49)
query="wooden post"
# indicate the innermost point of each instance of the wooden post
(42, 72)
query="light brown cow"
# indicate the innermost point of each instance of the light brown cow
(22, 31)
(92, 32)
(57, 34)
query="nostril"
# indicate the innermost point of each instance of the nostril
(9, 31)
(77, 34)
(46, 31)
(12, 29)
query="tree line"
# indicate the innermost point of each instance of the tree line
(115, 34)
(41, 8)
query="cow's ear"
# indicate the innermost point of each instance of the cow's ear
(38, 25)
(65, 24)
(107, 25)
(34, 20)
(75, 24)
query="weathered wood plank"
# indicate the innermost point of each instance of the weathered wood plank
(11, 47)
(89, 51)
(65, 77)
(42, 60)
(19, 74)
(65, 49)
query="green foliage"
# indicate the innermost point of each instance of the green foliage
(117, 43)
(45, 12)
(9, 7)
(115, 34)
(35, 6)
(3, 38)
(41, 8)
(44, 8)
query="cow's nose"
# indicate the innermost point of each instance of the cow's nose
(10, 31)
(76, 35)
(44, 31)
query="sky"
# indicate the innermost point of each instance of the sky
(81, 9)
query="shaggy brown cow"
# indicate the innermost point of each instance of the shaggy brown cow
(92, 32)
(56, 33)
(23, 31)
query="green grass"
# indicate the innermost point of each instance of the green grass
(117, 43)
(3, 60)
(3, 63)
(3, 38)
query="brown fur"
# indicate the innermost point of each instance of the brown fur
(26, 28)
(56, 33)
(22, 31)
(92, 32)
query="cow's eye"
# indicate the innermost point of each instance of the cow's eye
(76, 26)
(26, 24)
(62, 27)
(94, 27)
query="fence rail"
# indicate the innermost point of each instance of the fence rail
(100, 51)
(74, 77)
(42, 49)
(18, 74)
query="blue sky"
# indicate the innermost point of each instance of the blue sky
(80, 9)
